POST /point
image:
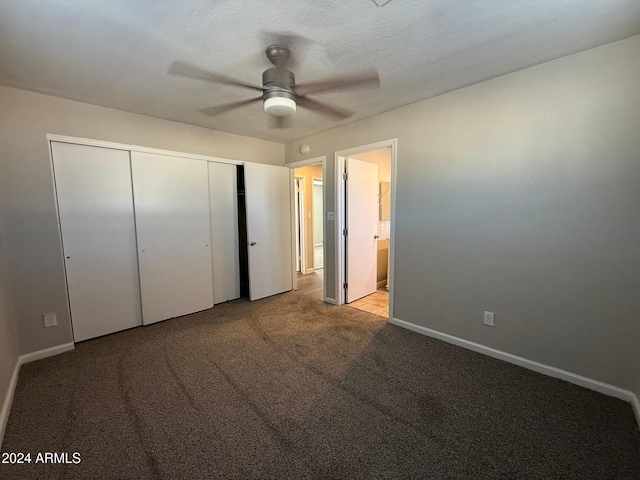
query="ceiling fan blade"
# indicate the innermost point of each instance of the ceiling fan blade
(325, 108)
(183, 69)
(279, 122)
(365, 79)
(211, 111)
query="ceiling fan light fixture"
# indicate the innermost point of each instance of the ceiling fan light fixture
(280, 106)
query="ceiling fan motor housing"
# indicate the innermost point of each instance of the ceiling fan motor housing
(278, 96)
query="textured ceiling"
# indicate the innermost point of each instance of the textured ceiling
(116, 52)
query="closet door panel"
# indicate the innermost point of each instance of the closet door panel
(171, 197)
(95, 204)
(224, 231)
(268, 202)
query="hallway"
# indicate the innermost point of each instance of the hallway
(376, 303)
(312, 284)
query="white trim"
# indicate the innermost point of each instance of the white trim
(292, 221)
(636, 407)
(52, 137)
(330, 300)
(313, 219)
(576, 379)
(60, 239)
(305, 162)
(8, 400)
(339, 228)
(309, 270)
(392, 227)
(301, 202)
(381, 283)
(47, 352)
(29, 357)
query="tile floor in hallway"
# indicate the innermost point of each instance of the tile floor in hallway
(376, 303)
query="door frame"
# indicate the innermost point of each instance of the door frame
(340, 203)
(313, 218)
(292, 166)
(299, 225)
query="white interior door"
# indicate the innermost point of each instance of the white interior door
(223, 197)
(172, 218)
(268, 202)
(95, 203)
(362, 228)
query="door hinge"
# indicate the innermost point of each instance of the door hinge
(345, 176)
(345, 232)
(345, 285)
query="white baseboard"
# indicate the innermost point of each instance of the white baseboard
(29, 357)
(636, 408)
(309, 270)
(47, 352)
(8, 400)
(332, 301)
(381, 283)
(585, 382)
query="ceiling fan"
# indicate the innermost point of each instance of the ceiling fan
(280, 95)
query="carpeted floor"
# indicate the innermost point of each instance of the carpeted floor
(291, 388)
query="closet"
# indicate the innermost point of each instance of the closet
(151, 236)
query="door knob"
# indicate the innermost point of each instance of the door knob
(376, 236)
(252, 243)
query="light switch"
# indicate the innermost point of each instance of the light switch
(331, 216)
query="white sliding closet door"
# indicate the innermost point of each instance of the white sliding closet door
(223, 196)
(172, 219)
(268, 202)
(95, 204)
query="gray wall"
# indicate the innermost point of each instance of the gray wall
(9, 349)
(27, 208)
(521, 196)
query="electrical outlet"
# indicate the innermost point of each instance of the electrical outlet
(488, 319)
(50, 320)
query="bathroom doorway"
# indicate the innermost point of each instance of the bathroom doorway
(364, 207)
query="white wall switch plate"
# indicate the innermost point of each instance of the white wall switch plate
(331, 216)
(50, 319)
(488, 319)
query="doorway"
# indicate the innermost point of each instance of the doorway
(309, 213)
(365, 191)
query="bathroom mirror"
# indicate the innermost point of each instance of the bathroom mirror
(385, 201)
